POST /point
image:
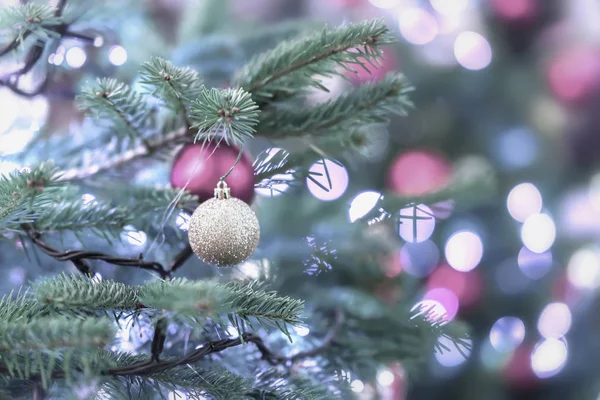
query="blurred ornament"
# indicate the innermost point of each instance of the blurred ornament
(574, 74)
(196, 169)
(418, 172)
(518, 371)
(514, 10)
(224, 231)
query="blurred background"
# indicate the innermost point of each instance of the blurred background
(511, 86)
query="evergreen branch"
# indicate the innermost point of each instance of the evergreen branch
(79, 292)
(116, 102)
(20, 307)
(228, 112)
(271, 385)
(146, 200)
(28, 19)
(369, 103)
(177, 86)
(294, 66)
(58, 332)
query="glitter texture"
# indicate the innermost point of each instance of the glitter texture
(224, 232)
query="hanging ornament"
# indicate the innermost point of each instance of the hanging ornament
(223, 231)
(418, 172)
(197, 167)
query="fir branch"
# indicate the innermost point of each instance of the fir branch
(28, 19)
(294, 66)
(79, 292)
(145, 200)
(368, 104)
(20, 307)
(53, 333)
(112, 100)
(228, 112)
(269, 384)
(176, 86)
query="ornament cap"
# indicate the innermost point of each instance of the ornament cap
(222, 191)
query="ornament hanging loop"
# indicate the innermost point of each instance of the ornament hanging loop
(222, 191)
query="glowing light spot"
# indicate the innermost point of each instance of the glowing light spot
(432, 310)
(472, 51)
(385, 377)
(10, 109)
(56, 58)
(88, 199)
(302, 330)
(446, 300)
(419, 259)
(117, 55)
(507, 334)
(538, 232)
(16, 275)
(418, 172)
(452, 357)
(523, 201)
(75, 57)
(554, 321)
(464, 250)
(133, 236)
(534, 265)
(549, 357)
(514, 9)
(327, 180)
(98, 41)
(6, 167)
(232, 331)
(183, 221)
(417, 26)
(357, 386)
(517, 148)
(583, 270)
(449, 7)
(177, 395)
(15, 140)
(416, 223)
(276, 157)
(362, 204)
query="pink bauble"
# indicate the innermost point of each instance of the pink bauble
(198, 171)
(574, 74)
(515, 10)
(418, 172)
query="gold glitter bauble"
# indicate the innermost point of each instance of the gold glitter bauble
(223, 231)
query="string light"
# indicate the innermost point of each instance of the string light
(472, 51)
(75, 57)
(117, 55)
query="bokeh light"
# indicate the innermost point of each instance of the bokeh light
(362, 204)
(328, 180)
(280, 187)
(472, 50)
(75, 57)
(583, 270)
(357, 386)
(385, 377)
(98, 41)
(419, 259)
(417, 26)
(445, 302)
(574, 73)
(15, 140)
(418, 172)
(452, 357)
(117, 55)
(416, 223)
(538, 232)
(183, 220)
(464, 250)
(507, 334)
(534, 265)
(449, 7)
(523, 201)
(467, 286)
(302, 330)
(549, 357)
(554, 321)
(133, 236)
(517, 148)
(514, 9)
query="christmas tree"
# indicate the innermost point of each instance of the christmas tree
(117, 305)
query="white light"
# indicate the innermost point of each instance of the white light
(507, 334)
(117, 55)
(328, 180)
(357, 386)
(583, 270)
(385, 377)
(88, 198)
(534, 265)
(554, 321)
(464, 251)
(98, 41)
(549, 357)
(449, 7)
(444, 302)
(183, 221)
(232, 331)
(452, 357)
(362, 204)
(385, 4)
(277, 189)
(416, 223)
(177, 395)
(538, 233)
(15, 140)
(6, 167)
(472, 50)
(75, 57)
(524, 200)
(417, 26)
(134, 237)
(56, 58)
(302, 330)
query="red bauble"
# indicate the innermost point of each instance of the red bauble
(574, 74)
(418, 172)
(204, 167)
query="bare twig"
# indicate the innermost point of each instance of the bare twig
(158, 341)
(180, 259)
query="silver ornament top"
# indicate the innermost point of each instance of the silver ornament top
(223, 231)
